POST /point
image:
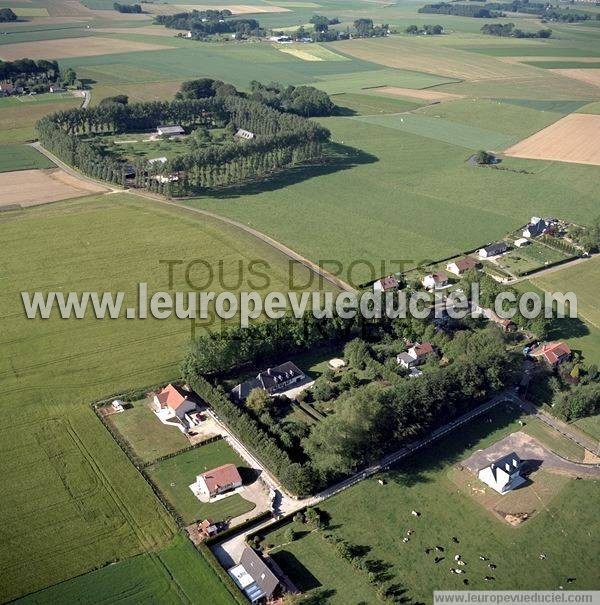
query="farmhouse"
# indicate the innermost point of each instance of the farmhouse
(493, 250)
(504, 474)
(253, 577)
(170, 131)
(8, 88)
(553, 353)
(415, 356)
(244, 135)
(435, 281)
(462, 265)
(273, 380)
(281, 39)
(173, 400)
(218, 481)
(535, 227)
(386, 284)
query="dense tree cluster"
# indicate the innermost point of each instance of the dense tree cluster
(28, 68)
(460, 10)
(366, 29)
(322, 23)
(281, 140)
(370, 419)
(577, 401)
(588, 237)
(7, 15)
(127, 8)
(120, 99)
(302, 100)
(427, 30)
(508, 30)
(545, 11)
(210, 22)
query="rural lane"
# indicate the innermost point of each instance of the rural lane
(291, 254)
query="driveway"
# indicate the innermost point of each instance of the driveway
(533, 453)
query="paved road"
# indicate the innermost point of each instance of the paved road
(229, 551)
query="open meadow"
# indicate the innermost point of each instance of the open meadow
(78, 522)
(94, 507)
(374, 519)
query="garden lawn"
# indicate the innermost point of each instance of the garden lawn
(175, 574)
(21, 157)
(148, 437)
(72, 501)
(377, 518)
(173, 477)
(590, 425)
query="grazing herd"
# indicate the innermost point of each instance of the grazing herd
(460, 563)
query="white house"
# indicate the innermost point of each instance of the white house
(218, 480)
(415, 356)
(172, 399)
(504, 474)
(522, 241)
(461, 265)
(493, 250)
(435, 281)
(244, 135)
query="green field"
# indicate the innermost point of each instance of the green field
(147, 436)
(73, 501)
(21, 157)
(175, 574)
(397, 198)
(174, 476)
(377, 518)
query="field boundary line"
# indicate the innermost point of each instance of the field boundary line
(336, 281)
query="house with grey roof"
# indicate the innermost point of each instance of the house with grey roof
(273, 381)
(254, 578)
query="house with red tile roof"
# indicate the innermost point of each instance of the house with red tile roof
(173, 399)
(462, 265)
(435, 281)
(386, 284)
(218, 480)
(553, 353)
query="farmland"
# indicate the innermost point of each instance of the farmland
(79, 522)
(427, 483)
(94, 507)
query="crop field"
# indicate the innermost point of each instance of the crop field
(312, 52)
(33, 187)
(425, 95)
(73, 500)
(173, 575)
(147, 436)
(572, 139)
(21, 157)
(17, 122)
(587, 75)
(370, 104)
(74, 47)
(426, 483)
(174, 476)
(402, 191)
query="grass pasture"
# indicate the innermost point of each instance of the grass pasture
(174, 476)
(175, 574)
(147, 436)
(73, 501)
(563, 529)
(21, 157)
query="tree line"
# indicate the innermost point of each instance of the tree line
(26, 68)
(545, 11)
(127, 8)
(7, 15)
(460, 10)
(508, 30)
(206, 23)
(370, 419)
(281, 140)
(428, 30)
